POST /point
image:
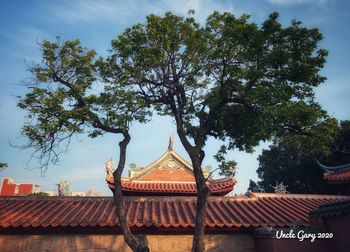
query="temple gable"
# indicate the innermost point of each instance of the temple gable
(169, 167)
(170, 174)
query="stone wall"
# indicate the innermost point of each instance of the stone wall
(94, 243)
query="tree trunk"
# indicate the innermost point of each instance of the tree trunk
(197, 155)
(202, 198)
(136, 244)
(198, 239)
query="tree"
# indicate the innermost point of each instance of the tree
(294, 163)
(341, 147)
(67, 97)
(253, 186)
(229, 79)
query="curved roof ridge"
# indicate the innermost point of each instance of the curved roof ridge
(334, 169)
(225, 179)
(161, 181)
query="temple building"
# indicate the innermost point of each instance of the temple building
(169, 175)
(160, 205)
(338, 177)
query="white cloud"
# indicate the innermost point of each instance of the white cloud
(25, 35)
(90, 11)
(299, 2)
(24, 42)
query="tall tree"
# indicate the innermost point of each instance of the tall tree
(229, 79)
(341, 146)
(66, 97)
(294, 162)
(294, 165)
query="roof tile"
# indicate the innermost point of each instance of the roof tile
(257, 210)
(135, 187)
(338, 177)
(332, 209)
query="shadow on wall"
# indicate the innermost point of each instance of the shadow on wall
(109, 243)
(53, 243)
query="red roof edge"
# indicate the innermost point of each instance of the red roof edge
(218, 187)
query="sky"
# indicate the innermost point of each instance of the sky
(24, 24)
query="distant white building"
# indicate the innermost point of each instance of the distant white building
(88, 193)
(92, 192)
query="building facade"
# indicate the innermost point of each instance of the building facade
(338, 177)
(10, 188)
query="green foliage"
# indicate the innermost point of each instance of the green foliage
(3, 165)
(229, 78)
(292, 165)
(294, 162)
(254, 187)
(226, 167)
(341, 147)
(68, 96)
(268, 81)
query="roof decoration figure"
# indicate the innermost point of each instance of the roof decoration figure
(63, 188)
(280, 188)
(109, 169)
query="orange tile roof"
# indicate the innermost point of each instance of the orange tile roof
(41, 214)
(218, 187)
(338, 177)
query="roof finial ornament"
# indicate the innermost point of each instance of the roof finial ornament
(109, 169)
(280, 188)
(171, 142)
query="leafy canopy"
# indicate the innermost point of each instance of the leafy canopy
(293, 165)
(229, 78)
(68, 97)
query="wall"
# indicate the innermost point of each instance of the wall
(264, 244)
(106, 243)
(339, 226)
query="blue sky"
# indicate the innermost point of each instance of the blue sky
(23, 24)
